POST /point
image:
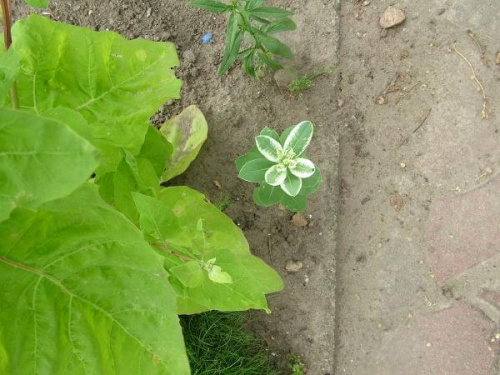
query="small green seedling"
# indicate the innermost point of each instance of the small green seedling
(224, 202)
(304, 82)
(248, 34)
(280, 166)
(296, 365)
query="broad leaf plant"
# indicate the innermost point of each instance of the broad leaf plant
(97, 258)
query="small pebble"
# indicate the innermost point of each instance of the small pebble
(381, 100)
(207, 38)
(403, 165)
(340, 103)
(299, 220)
(392, 17)
(293, 266)
(497, 60)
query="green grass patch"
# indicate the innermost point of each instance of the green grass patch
(218, 344)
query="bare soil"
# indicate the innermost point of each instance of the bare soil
(236, 108)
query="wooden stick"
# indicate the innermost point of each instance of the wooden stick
(7, 24)
(7, 42)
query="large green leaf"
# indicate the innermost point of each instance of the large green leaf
(116, 84)
(9, 68)
(186, 132)
(131, 175)
(197, 239)
(38, 3)
(40, 160)
(83, 293)
(157, 149)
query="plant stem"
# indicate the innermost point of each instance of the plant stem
(7, 24)
(247, 27)
(7, 42)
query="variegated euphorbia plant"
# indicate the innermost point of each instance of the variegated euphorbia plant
(280, 166)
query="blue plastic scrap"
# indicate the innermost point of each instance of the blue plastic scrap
(207, 38)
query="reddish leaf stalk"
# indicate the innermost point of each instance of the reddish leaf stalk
(7, 42)
(7, 24)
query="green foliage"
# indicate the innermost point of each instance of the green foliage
(279, 165)
(114, 83)
(250, 18)
(296, 365)
(38, 3)
(34, 150)
(100, 267)
(224, 202)
(9, 68)
(186, 132)
(70, 274)
(217, 343)
(188, 247)
(305, 82)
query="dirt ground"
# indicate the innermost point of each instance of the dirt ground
(419, 234)
(236, 108)
(413, 286)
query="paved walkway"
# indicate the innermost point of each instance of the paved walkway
(419, 252)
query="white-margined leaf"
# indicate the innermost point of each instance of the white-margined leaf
(275, 175)
(255, 170)
(303, 169)
(269, 147)
(299, 138)
(291, 185)
(270, 133)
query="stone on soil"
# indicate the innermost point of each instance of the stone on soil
(299, 220)
(392, 17)
(293, 266)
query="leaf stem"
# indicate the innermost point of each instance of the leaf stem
(7, 24)
(248, 27)
(164, 248)
(7, 42)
